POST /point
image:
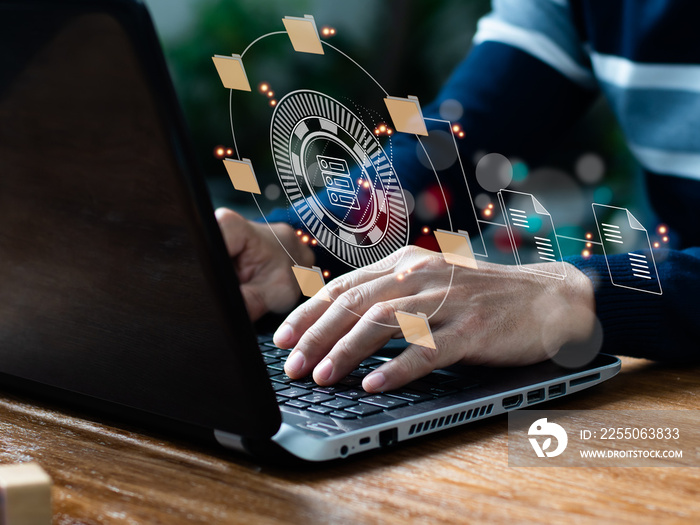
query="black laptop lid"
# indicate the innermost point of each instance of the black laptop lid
(114, 279)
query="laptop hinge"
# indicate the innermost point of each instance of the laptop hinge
(228, 440)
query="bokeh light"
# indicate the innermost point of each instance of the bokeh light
(272, 192)
(590, 168)
(219, 152)
(451, 110)
(494, 172)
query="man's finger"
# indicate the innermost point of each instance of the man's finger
(233, 228)
(369, 334)
(337, 320)
(411, 364)
(301, 319)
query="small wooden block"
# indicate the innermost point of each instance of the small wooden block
(25, 495)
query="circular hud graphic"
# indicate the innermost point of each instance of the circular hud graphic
(338, 178)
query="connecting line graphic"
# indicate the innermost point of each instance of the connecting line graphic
(580, 240)
(585, 241)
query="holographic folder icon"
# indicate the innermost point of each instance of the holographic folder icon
(416, 328)
(339, 185)
(532, 234)
(456, 248)
(310, 281)
(621, 233)
(303, 34)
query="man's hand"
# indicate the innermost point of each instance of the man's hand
(263, 267)
(496, 315)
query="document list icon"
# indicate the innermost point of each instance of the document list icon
(624, 236)
(532, 234)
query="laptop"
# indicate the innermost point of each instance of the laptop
(117, 292)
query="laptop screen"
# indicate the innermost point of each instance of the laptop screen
(106, 279)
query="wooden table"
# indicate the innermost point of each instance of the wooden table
(104, 474)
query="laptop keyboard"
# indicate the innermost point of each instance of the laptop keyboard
(346, 399)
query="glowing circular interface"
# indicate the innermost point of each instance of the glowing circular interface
(338, 178)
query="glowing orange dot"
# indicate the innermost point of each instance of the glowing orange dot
(229, 151)
(455, 128)
(461, 134)
(656, 245)
(382, 128)
(273, 102)
(389, 131)
(400, 277)
(588, 245)
(326, 273)
(490, 206)
(376, 132)
(270, 93)
(314, 242)
(586, 253)
(332, 31)
(305, 238)
(426, 230)
(365, 184)
(487, 212)
(589, 236)
(662, 229)
(263, 87)
(326, 31)
(219, 152)
(299, 232)
(408, 271)
(664, 238)
(359, 181)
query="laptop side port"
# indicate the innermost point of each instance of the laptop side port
(511, 402)
(557, 390)
(388, 437)
(535, 396)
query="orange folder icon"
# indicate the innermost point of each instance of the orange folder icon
(242, 175)
(311, 282)
(303, 34)
(232, 72)
(406, 115)
(415, 328)
(456, 248)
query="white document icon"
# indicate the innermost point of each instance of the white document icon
(621, 233)
(532, 234)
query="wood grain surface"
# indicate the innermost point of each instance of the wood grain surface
(106, 474)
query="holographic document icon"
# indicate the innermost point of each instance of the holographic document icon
(532, 234)
(339, 185)
(416, 328)
(621, 233)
